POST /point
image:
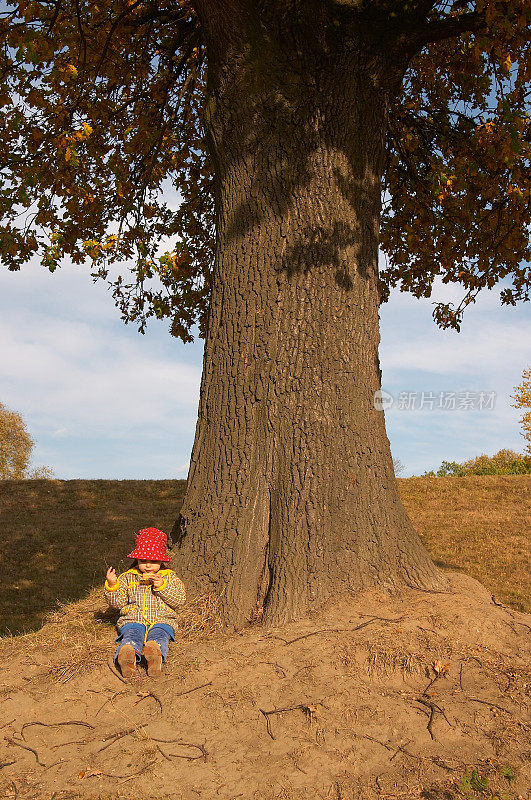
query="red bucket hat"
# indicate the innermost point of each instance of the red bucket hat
(150, 544)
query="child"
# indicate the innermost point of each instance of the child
(147, 596)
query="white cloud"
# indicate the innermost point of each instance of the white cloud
(60, 432)
(69, 371)
(103, 401)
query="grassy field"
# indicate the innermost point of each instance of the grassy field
(58, 537)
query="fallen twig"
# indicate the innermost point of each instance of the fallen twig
(488, 703)
(340, 630)
(161, 751)
(6, 764)
(64, 744)
(396, 748)
(114, 737)
(308, 709)
(54, 725)
(144, 696)
(188, 691)
(433, 708)
(268, 724)
(430, 684)
(98, 772)
(110, 700)
(200, 747)
(110, 664)
(26, 747)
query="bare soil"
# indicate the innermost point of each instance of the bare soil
(384, 697)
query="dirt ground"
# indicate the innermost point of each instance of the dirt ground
(416, 695)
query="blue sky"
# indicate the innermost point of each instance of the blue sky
(103, 401)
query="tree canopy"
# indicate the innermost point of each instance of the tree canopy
(16, 446)
(103, 110)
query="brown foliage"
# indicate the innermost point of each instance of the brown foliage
(103, 106)
(522, 399)
(15, 448)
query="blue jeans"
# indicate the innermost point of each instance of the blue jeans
(135, 634)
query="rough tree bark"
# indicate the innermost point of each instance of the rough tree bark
(291, 493)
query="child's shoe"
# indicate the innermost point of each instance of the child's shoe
(127, 660)
(153, 656)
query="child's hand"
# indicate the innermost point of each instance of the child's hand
(111, 576)
(156, 581)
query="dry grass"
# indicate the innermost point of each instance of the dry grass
(82, 633)
(385, 661)
(200, 618)
(477, 524)
(62, 535)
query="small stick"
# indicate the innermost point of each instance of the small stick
(154, 696)
(128, 777)
(63, 744)
(115, 736)
(461, 677)
(6, 764)
(200, 747)
(400, 748)
(430, 684)
(180, 694)
(110, 700)
(268, 724)
(341, 630)
(110, 664)
(54, 725)
(267, 714)
(161, 751)
(164, 741)
(488, 703)
(6, 724)
(25, 747)
(433, 708)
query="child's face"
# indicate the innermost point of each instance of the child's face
(148, 567)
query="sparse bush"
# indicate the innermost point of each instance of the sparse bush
(398, 466)
(505, 462)
(522, 399)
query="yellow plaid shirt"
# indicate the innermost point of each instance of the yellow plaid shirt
(140, 602)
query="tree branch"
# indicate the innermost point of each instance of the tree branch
(438, 30)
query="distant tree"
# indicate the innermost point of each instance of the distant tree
(522, 399)
(505, 462)
(15, 448)
(398, 466)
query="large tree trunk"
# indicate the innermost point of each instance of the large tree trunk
(291, 492)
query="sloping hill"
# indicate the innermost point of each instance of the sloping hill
(58, 537)
(376, 697)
